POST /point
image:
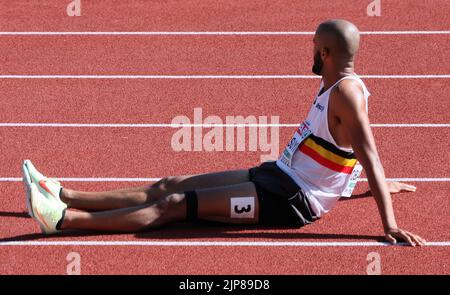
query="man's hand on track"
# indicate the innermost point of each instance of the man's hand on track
(398, 187)
(412, 239)
(394, 234)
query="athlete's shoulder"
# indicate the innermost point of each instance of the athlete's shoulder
(348, 96)
(349, 88)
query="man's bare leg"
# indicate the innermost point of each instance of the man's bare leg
(213, 204)
(101, 201)
(130, 219)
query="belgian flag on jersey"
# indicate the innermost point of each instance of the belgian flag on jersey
(328, 155)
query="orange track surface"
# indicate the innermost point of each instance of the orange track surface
(146, 152)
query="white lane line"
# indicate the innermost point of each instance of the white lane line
(410, 125)
(442, 179)
(89, 179)
(206, 33)
(212, 76)
(140, 179)
(159, 77)
(210, 244)
(150, 125)
(168, 125)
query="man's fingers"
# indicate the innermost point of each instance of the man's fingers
(422, 240)
(407, 238)
(410, 238)
(419, 241)
(391, 239)
(407, 187)
(397, 187)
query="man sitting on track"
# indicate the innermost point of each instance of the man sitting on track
(319, 165)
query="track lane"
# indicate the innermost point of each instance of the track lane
(421, 212)
(211, 55)
(159, 101)
(223, 260)
(195, 15)
(217, 260)
(133, 152)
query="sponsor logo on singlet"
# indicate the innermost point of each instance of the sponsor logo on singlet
(320, 107)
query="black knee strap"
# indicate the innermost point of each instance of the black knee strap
(58, 225)
(191, 205)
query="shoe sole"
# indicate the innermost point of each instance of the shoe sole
(27, 184)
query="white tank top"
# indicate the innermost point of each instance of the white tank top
(313, 159)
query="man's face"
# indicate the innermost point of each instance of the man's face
(318, 63)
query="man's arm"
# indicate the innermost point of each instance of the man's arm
(349, 107)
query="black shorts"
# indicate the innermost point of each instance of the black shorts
(281, 200)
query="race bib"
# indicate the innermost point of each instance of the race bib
(242, 207)
(300, 135)
(347, 193)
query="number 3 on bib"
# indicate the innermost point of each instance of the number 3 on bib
(242, 207)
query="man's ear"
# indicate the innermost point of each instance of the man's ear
(324, 52)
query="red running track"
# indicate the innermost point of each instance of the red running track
(211, 55)
(159, 101)
(129, 152)
(364, 226)
(147, 152)
(223, 15)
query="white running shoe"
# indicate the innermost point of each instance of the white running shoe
(50, 188)
(47, 212)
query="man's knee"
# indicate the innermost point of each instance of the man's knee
(171, 206)
(168, 184)
(163, 211)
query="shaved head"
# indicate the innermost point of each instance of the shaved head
(338, 38)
